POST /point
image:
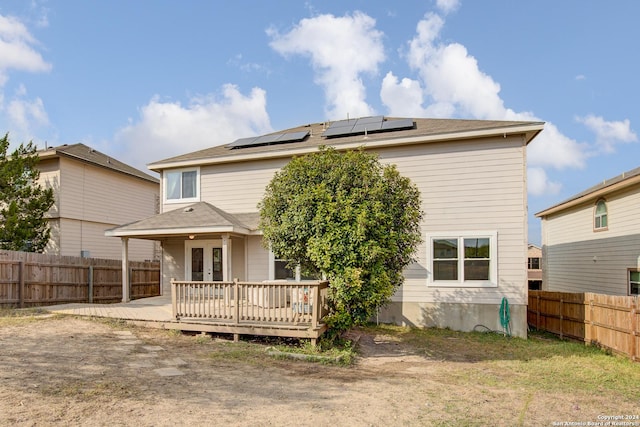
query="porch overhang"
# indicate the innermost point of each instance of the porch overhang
(157, 233)
(197, 219)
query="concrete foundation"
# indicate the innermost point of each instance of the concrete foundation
(459, 317)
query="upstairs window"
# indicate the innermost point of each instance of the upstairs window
(463, 260)
(181, 185)
(600, 221)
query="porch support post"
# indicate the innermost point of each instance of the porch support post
(125, 270)
(226, 258)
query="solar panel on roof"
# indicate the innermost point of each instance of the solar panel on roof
(337, 131)
(293, 136)
(276, 138)
(241, 142)
(366, 125)
(397, 124)
(265, 139)
(369, 127)
(372, 119)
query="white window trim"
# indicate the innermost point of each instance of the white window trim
(272, 270)
(207, 245)
(597, 216)
(185, 200)
(460, 283)
(629, 281)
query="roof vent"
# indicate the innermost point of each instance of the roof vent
(189, 209)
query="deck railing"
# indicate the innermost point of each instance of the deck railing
(272, 304)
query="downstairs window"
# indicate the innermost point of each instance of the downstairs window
(463, 259)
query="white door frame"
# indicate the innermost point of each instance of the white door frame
(207, 246)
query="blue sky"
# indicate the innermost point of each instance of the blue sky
(146, 80)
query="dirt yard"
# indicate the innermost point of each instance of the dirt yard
(70, 371)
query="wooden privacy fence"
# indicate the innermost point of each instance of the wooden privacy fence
(31, 279)
(608, 321)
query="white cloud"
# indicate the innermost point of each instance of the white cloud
(451, 75)
(451, 84)
(16, 49)
(25, 114)
(447, 6)
(341, 49)
(166, 129)
(404, 97)
(555, 150)
(608, 134)
(538, 184)
(21, 116)
(24, 117)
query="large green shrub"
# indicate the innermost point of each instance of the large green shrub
(349, 218)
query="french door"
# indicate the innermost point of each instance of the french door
(203, 260)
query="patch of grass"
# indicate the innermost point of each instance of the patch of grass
(237, 352)
(86, 390)
(541, 363)
(338, 351)
(19, 316)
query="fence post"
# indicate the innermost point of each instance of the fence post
(634, 328)
(21, 285)
(589, 323)
(538, 312)
(561, 318)
(130, 273)
(91, 284)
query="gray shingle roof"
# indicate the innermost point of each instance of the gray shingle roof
(626, 176)
(87, 154)
(198, 216)
(423, 127)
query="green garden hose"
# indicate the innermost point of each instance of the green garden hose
(505, 316)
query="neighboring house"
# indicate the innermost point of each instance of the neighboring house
(591, 242)
(94, 192)
(472, 179)
(534, 267)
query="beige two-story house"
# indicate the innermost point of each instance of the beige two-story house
(472, 179)
(591, 241)
(95, 192)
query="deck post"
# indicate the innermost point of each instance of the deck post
(236, 302)
(226, 257)
(126, 297)
(174, 299)
(315, 310)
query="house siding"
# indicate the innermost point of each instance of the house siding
(173, 263)
(89, 200)
(258, 267)
(76, 236)
(238, 257)
(238, 187)
(466, 186)
(578, 259)
(482, 189)
(96, 194)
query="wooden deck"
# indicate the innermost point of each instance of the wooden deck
(282, 309)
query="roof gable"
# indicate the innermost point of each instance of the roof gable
(86, 154)
(599, 190)
(198, 216)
